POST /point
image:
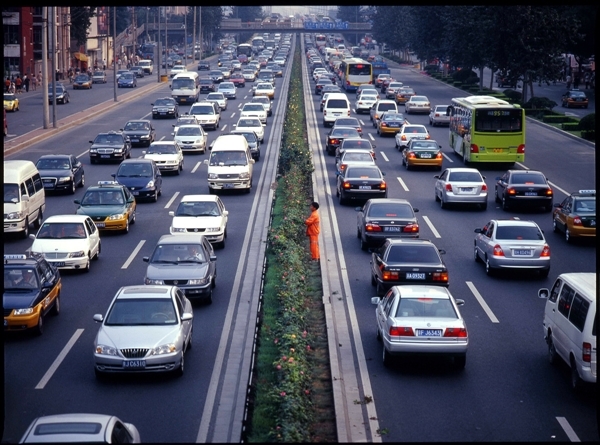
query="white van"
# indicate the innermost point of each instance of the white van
(146, 66)
(230, 164)
(24, 197)
(185, 87)
(570, 324)
(336, 105)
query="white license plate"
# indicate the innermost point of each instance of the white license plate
(530, 193)
(364, 187)
(391, 229)
(429, 332)
(426, 156)
(134, 363)
(415, 276)
(522, 252)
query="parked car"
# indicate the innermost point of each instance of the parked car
(525, 188)
(379, 219)
(461, 186)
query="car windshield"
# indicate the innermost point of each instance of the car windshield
(137, 126)
(519, 233)
(82, 78)
(202, 109)
(53, 164)
(130, 170)
(368, 97)
(528, 178)
(390, 210)
(413, 254)
(264, 87)
(61, 231)
(161, 149)
(249, 123)
(127, 76)
(200, 208)
(356, 144)
(100, 197)
(257, 107)
(250, 136)
(9, 97)
(189, 131)
(349, 121)
(178, 253)
(419, 99)
(20, 278)
(464, 177)
(163, 102)
(425, 307)
(224, 158)
(111, 139)
(141, 312)
(215, 96)
(11, 193)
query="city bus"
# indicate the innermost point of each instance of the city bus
(487, 129)
(258, 44)
(320, 40)
(245, 49)
(354, 72)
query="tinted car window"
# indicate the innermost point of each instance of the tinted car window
(337, 103)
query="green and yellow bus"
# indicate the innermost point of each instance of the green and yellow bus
(487, 129)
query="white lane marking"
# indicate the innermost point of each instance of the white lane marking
(482, 302)
(568, 430)
(521, 165)
(133, 254)
(371, 136)
(172, 199)
(232, 114)
(402, 184)
(447, 157)
(59, 359)
(223, 127)
(162, 139)
(196, 167)
(558, 188)
(430, 224)
(85, 152)
(384, 157)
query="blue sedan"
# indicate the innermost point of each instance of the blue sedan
(127, 80)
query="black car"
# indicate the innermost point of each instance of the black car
(321, 82)
(30, 282)
(207, 85)
(110, 146)
(527, 188)
(361, 183)
(165, 107)
(407, 261)
(142, 177)
(138, 71)
(141, 132)
(336, 135)
(379, 219)
(62, 95)
(61, 172)
(203, 65)
(216, 76)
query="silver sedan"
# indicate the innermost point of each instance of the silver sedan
(146, 329)
(461, 186)
(421, 319)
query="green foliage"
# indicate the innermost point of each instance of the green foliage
(589, 135)
(558, 119)
(588, 122)
(81, 20)
(513, 96)
(540, 102)
(431, 69)
(465, 76)
(570, 126)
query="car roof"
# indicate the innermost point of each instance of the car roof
(68, 436)
(138, 160)
(515, 222)
(145, 291)
(390, 200)
(410, 241)
(61, 156)
(423, 291)
(462, 169)
(65, 218)
(184, 238)
(199, 198)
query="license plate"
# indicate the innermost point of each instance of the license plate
(100, 224)
(60, 264)
(391, 229)
(466, 189)
(522, 252)
(227, 186)
(183, 100)
(135, 140)
(135, 193)
(163, 112)
(415, 276)
(48, 185)
(105, 156)
(429, 332)
(530, 193)
(497, 150)
(337, 114)
(426, 156)
(134, 363)
(364, 187)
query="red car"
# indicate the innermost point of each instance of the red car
(238, 80)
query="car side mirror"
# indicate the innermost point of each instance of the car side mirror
(32, 236)
(146, 259)
(478, 231)
(435, 176)
(459, 302)
(375, 300)
(415, 210)
(213, 257)
(187, 316)
(76, 201)
(98, 317)
(114, 175)
(543, 293)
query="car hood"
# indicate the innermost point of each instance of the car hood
(19, 299)
(107, 145)
(136, 133)
(180, 271)
(200, 222)
(55, 173)
(101, 210)
(123, 337)
(162, 157)
(59, 245)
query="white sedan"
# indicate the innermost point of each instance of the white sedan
(253, 124)
(218, 98)
(68, 241)
(203, 214)
(177, 69)
(365, 102)
(439, 116)
(254, 109)
(191, 137)
(249, 75)
(417, 104)
(264, 89)
(166, 154)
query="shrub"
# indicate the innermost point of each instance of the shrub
(589, 135)
(588, 123)
(558, 119)
(513, 96)
(570, 126)
(465, 76)
(540, 102)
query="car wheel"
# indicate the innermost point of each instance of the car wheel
(544, 273)
(209, 297)
(190, 342)
(476, 255)
(342, 199)
(73, 188)
(460, 361)
(443, 204)
(363, 244)
(155, 197)
(483, 206)
(548, 208)
(504, 203)
(97, 256)
(56, 308)
(436, 197)
(39, 327)
(86, 269)
(552, 354)
(25, 232)
(126, 229)
(179, 371)
(387, 358)
(39, 220)
(488, 268)
(82, 182)
(576, 382)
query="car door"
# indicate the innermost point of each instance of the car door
(77, 168)
(562, 328)
(94, 236)
(184, 306)
(483, 240)
(501, 184)
(562, 215)
(158, 175)
(440, 184)
(383, 313)
(130, 204)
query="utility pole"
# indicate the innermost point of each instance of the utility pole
(194, 37)
(159, 55)
(114, 49)
(185, 38)
(200, 32)
(53, 60)
(133, 33)
(45, 108)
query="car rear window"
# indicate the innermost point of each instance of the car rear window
(527, 178)
(390, 211)
(422, 130)
(425, 307)
(337, 103)
(386, 107)
(413, 254)
(464, 177)
(519, 233)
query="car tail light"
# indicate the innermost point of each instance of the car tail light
(586, 351)
(545, 251)
(373, 228)
(427, 137)
(498, 251)
(474, 148)
(403, 137)
(438, 156)
(334, 141)
(440, 276)
(437, 115)
(577, 221)
(348, 113)
(484, 188)
(343, 167)
(511, 191)
(401, 331)
(549, 192)
(456, 332)
(411, 228)
(390, 276)
(346, 185)
(448, 187)
(412, 155)
(382, 186)
(383, 124)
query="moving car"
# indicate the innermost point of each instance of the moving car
(422, 153)
(264, 89)
(82, 81)
(140, 132)
(127, 80)
(206, 114)
(249, 75)
(379, 219)
(408, 132)
(219, 99)
(461, 186)
(68, 241)
(201, 214)
(11, 102)
(80, 428)
(439, 116)
(186, 260)
(528, 188)
(254, 109)
(99, 77)
(167, 155)
(380, 78)
(165, 107)
(349, 122)
(176, 70)
(61, 173)
(576, 215)
(62, 95)
(216, 76)
(141, 176)
(361, 182)
(111, 146)
(203, 65)
(138, 71)
(228, 89)
(574, 98)
(191, 137)
(252, 124)
(266, 103)
(184, 119)
(512, 244)
(417, 104)
(31, 291)
(392, 87)
(145, 329)
(111, 206)
(351, 157)
(253, 142)
(403, 94)
(238, 80)
(336, 135)
(405, 261)
(380, 107)
(356, 143)
(421, 320)
(207, 85)
(390, 123)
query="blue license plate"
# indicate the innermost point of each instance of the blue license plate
(415, 276)
(429, 332)
(530, 193)
(391, 229)
(60, 264)
(136, 364)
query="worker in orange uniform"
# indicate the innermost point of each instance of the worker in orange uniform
(313, 225)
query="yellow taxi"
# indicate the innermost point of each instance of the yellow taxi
(31, 291)
(575, 98)
(82, 81)
(403, 94)
(576, 215)
(11, 103)
(111, 206)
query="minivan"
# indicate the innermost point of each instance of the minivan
(230, 164)
(570, 325)
(24, 197)
(380, 107)
(337, 105)
(185, 87)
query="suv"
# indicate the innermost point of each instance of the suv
(114, 145)
(206, 113)
(31, 290)
(380, 107)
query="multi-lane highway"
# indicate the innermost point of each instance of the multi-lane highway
(507, 392)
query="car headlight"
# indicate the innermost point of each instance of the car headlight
(163, 349)
(14, 215)
(23, 311)
(93, 150)
(118, 150)
(64, 179)
(145, 136)
(79, 254)
(150, 185)
(199, 281)
(106, 350)
(116, 216)
(213, 176)
(245, 175)
(151, 281)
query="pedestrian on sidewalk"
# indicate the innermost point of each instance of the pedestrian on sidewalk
(33, 83)
(313, 228)
(7, 84)
(26, 82)
(568, 82)
(19, 85)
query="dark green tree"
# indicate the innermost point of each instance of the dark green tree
(81, 20)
